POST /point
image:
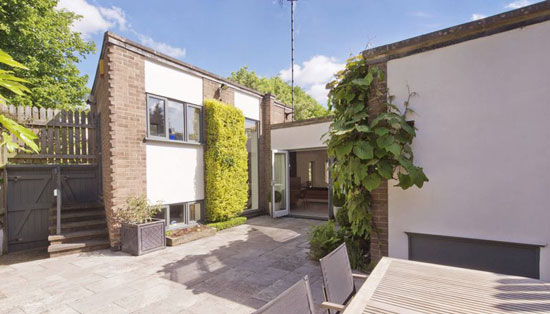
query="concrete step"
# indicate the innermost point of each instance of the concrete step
(72, 248)
(79, 225)
(74, 216)
(78, 207)
(78, 236)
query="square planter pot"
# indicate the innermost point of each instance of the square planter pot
(143, 238)
(177, 240)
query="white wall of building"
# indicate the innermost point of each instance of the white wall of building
(483, 112)
(165, 81)
(175, 171)
(299, 137)
(249, 105)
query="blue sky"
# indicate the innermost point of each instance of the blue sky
(223, 35)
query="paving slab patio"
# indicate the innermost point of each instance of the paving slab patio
(235, 271)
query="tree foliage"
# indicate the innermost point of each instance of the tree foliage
(226, 161)
(10, 128)
(305, 106)
(38, 35)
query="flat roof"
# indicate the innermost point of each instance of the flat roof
(528, 15)
(112, 38)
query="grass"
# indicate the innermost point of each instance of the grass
(227, 224)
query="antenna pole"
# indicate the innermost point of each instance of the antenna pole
(292, 52)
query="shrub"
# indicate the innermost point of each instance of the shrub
(228, 224)
(137, 211)
(226, 168)
(323, 239)
(338, 200)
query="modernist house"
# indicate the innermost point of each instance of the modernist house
(150, 108)
(482, 110)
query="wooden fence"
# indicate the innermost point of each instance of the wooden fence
(64, 136)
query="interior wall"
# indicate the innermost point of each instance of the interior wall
(482, 117)
(319, 157)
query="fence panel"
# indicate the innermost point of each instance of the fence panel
(64, 136)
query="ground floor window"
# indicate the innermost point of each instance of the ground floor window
(182, 214)
(251, 127)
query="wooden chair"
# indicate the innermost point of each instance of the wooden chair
(295, 300)
(338, 284)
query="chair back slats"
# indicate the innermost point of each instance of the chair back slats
(295, 300)
(337, 276)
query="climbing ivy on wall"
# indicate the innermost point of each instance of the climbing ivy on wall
(367, 150)
(226, 169)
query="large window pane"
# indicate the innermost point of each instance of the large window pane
(156, 117)
(175, 121)
(251, 128)
(176, 214)
(195, 213)
(161, 214)
(193, 124)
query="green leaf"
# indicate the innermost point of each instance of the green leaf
(8, 60)
(395, 149)
(385, 141)
(405, 181)
(372, 181)
(381, 131)
(362, 128)
(363, 150)
(385, 169)
(343, 149)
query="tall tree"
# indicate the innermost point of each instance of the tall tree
(37, 34)
(305, 106)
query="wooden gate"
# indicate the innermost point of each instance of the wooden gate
(67, 162)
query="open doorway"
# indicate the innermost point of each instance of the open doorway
(309, 183)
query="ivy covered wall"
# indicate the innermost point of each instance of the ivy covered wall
(225, 161)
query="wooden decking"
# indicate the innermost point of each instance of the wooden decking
(399, 286)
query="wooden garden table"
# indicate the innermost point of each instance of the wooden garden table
(401, 286)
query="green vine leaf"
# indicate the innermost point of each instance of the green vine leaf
(372, 181)
(395, 149)
(385, 141)
(343, 149)
(363, 150)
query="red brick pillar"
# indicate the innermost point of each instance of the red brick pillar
(379, 235)
(268, 102)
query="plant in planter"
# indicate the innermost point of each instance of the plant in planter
(140, 232)
(278, 200)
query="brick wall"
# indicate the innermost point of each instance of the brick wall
(267, 103)
(379, 237)
(212, 90)
(120, 99)
(280, 113)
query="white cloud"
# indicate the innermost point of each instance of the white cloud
(477, 16)
(313, 75)
(517, 4)
(97, 19)
(91, 22)
(161, 47)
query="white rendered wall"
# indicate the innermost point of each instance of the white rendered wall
(483, 114)
(299, 137)
(249, 105)
(168, 82)
(175, 173)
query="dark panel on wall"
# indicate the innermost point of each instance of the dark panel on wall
(293, 165)
(494, 256)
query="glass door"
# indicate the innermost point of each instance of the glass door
(279, 189)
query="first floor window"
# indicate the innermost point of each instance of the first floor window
(156, 116)
(194, 211)
(173, 120)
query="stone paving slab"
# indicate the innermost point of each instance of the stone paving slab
(235, 271)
